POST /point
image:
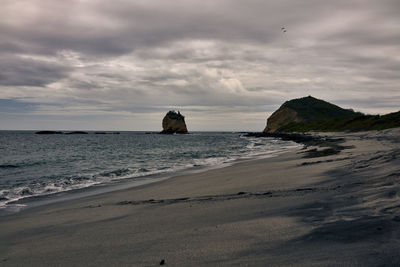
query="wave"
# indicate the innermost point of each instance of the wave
(19, 165)
(116, 173)
(8, 166)
(252, 148)
(20, 191)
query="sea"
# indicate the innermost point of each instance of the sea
(36, 166)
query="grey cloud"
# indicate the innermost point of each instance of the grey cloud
(15, 71)
(146, 56)
(16, 106)
(119, 27)
(10, 48)
(373, 103)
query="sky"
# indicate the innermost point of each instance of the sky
(226, 64)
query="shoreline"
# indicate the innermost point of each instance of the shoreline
(36, 201)
(306, 140)
(101, 191)
(329, 209)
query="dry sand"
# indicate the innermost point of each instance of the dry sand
(342, 209)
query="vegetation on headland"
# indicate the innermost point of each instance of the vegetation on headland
(355, 123)
(311, 114)
(312, 109)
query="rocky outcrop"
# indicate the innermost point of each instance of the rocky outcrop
(281, 117)
(48, 132)
(174, 122)
(307, 113)
(77, 132)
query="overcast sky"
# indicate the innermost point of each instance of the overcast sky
(225, 64)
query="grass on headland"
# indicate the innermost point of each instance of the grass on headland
(358, 122)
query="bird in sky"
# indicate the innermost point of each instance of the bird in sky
(283, 29)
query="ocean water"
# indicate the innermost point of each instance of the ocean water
(34, 165)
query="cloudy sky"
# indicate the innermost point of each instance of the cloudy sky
(225, 64)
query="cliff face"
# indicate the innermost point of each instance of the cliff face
(281, 117)
(174, 123)
(304, 114)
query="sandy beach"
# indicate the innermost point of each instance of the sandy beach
(290, 210)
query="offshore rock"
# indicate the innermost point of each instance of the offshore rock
(174, 122)
(77, 132)
(48, 132)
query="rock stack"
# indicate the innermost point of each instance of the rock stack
(174, 122)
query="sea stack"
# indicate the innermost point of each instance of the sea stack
(174, 122)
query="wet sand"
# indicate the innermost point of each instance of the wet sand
(291, 210)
